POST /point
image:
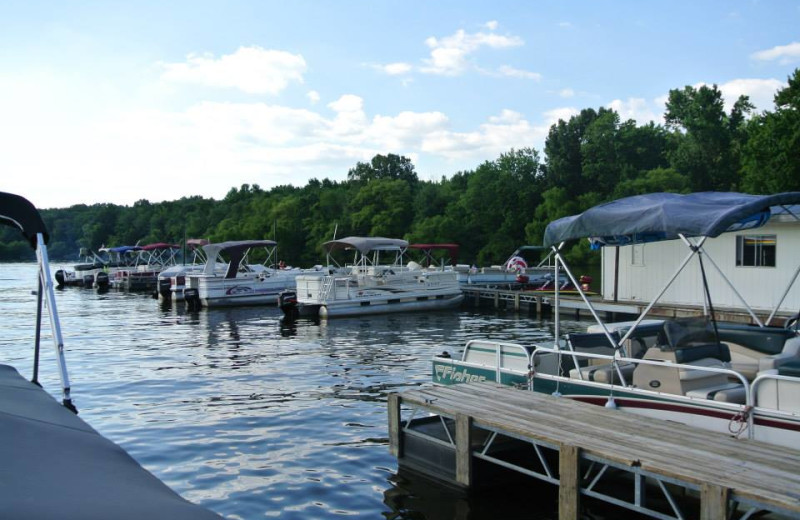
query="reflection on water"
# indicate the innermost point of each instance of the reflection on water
(253, 417)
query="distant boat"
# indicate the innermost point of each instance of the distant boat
(240, 282)
(151, 259)
(172, 281)
(515, 273)
(377, 282)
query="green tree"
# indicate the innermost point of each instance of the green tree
(771, 157)
(707, 140)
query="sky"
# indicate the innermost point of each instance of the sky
(118, 101)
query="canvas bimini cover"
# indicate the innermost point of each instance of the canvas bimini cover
(366, 244)
(667, 216)
(18, 212)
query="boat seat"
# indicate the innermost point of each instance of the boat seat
(725, 393)
(604, 373)
(782, 394)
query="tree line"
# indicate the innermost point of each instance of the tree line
(489, 211)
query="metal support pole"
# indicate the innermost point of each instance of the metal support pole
(55, 325)
(37, 341)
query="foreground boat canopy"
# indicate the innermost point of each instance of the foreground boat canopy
(667, 216)
(18, 212)
(366, 244)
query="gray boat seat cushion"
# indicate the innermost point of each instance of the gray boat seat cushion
(604, 373)
(725, 393)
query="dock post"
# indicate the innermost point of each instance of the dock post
(539, 306)
(713, 502)
(395, 427)
(516, 302)
(569, 483)
(464, 449)
(496, 299)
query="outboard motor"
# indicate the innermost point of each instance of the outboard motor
(102, 280)
(163, 288)
(287, 301)
(60, 278)
(88, 280)
(192, 297)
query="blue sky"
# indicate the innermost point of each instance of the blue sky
(106, 101)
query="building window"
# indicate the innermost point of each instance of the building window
(755, 250)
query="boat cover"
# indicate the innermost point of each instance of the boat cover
(54, 465)
(665, 216)
(365, 244)
(18, 212)
(235, 250)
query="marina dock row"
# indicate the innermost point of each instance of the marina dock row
(624, 459)
(541, 304)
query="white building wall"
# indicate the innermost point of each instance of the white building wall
(644, 269)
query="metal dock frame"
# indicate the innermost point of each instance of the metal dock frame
(724, 471)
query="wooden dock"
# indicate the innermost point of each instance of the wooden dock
(541, 304)
(725, 473)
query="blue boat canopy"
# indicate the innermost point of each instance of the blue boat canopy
(665, 216)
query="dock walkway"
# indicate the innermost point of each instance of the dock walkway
(726, 472)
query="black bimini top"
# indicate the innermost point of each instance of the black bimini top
(18, 212)
(666, 216)
(54, 465)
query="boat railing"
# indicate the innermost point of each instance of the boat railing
(500, 350)
(762, 379)
(617, 361)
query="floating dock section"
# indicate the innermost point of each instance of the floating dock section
(658, 468)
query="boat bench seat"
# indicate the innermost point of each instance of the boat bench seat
(783, 394)
(604, 373)
(725, 393)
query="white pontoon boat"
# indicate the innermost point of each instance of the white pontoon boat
(376, 282)
(735, 378)
(241, 282)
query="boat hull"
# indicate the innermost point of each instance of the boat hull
(367, 307)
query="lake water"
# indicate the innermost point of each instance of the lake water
(252, 418)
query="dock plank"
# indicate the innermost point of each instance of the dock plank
(751, 470)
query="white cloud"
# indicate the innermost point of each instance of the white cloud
(507, 130)
(784, 53)
(560, 114)
(492, 26)
(760, 91)
(250, 69)
(566, 93)
(313, 96)
(638, 109)
(449, 54)
(396, 69)
(511, 72)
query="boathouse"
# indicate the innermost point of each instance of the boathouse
(759, 263)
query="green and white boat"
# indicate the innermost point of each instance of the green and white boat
(734, 378)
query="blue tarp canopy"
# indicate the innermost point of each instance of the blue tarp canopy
(665, 216)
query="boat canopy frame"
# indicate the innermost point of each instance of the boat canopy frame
(18, 212)
(363, 246)
(237, 250)
(659, 218)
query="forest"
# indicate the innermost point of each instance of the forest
(489, 211)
